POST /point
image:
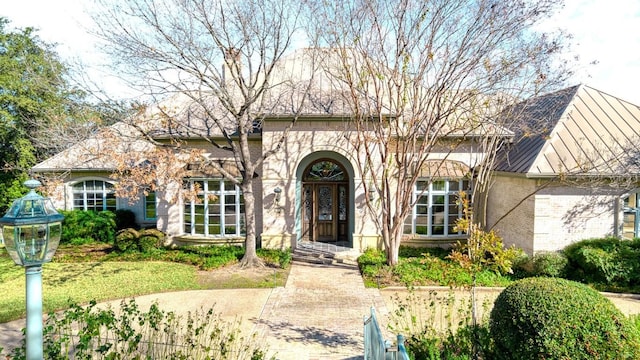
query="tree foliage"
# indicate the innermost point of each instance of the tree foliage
(41, 113)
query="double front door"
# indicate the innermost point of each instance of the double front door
(325, 212)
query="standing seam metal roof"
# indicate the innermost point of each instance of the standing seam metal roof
(579, 131)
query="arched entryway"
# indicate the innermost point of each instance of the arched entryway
(326, 200)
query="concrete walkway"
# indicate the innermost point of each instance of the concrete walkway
(319, 313)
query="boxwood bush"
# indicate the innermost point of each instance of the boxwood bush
(610, 261)
(551, 264)
(552, 318)
(81, 227)
(139, 240)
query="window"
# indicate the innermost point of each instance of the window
(436, 208)
(218, 211)
(96, 195)
(631, 217)
(150, 212)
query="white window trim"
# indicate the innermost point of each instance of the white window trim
(84, 193)
(221, 194)
(430, 193)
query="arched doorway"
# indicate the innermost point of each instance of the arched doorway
(325, 202)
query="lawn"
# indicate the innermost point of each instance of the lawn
(82, 273)
(81, 282)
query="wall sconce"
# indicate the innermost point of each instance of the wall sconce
(278, 196)
(372, 192)
(277, 191)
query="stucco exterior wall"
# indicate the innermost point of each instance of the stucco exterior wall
(508, 198)
(308, 140)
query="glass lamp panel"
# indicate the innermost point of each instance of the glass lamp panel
(55, 233)
(31, 243)
(9, 234)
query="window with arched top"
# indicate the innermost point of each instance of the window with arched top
(94, 195)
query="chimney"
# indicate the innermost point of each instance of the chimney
(231, 66)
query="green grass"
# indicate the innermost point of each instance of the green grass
(80, 273)
(81, 282)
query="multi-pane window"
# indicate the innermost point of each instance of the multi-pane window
(150, 212)
(95, 195)
(436, 208)
(217, 211)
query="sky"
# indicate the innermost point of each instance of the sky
(607, 32)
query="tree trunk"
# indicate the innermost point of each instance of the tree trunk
(393, 249)
(250, 258)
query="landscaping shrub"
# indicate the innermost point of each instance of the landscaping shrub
(93, 333)
(549, 264)
(150, 239)
(81, 227)
(125, 218)
(611, 262)
(276, 258)
(371, 261)
(139, 240)
(551, 318)
(127, 240)
(423, 266)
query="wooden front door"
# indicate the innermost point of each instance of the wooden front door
(325, 212)
(325, 202)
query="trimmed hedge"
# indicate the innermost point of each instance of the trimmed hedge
(139, 240)
(610, 261)
(551, 318)
(550, 264)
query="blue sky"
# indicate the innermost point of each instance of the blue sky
(604, 31)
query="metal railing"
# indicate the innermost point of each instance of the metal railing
(376, 347)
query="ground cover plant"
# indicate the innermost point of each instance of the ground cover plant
(128, 332)
(424, 267)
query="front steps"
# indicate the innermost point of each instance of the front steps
(324, 254)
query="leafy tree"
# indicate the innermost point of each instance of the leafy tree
(40, 112)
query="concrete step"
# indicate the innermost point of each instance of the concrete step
(315, 256)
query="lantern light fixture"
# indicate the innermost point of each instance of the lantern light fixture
(31, 230)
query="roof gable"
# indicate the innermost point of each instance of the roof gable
(576, 131)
